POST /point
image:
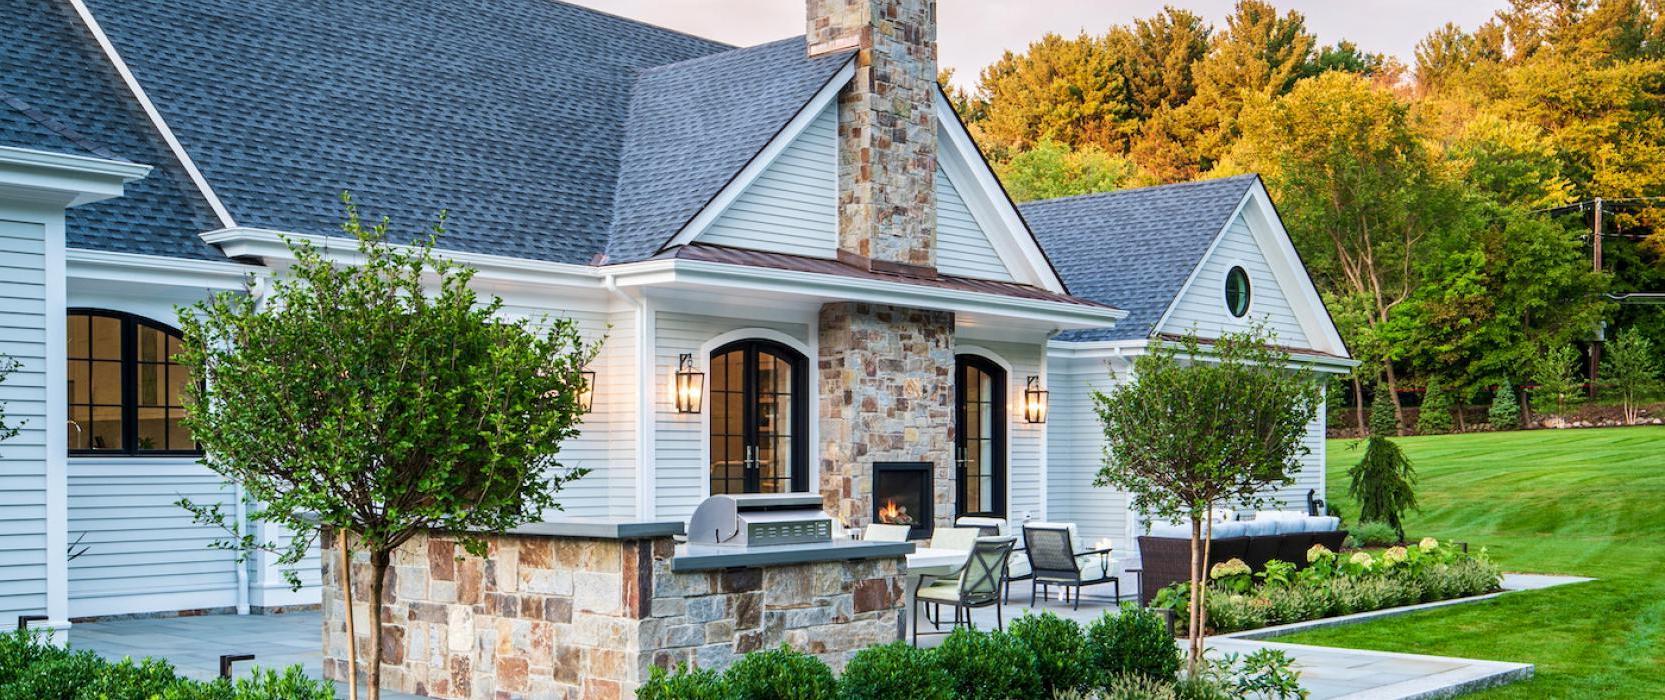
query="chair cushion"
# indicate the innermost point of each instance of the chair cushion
(946, 591)
(1171, 530)
(1260, 528)
(1323, 523)
(960, 539)
(1286, 526)
(980, 522)
(1230, 529)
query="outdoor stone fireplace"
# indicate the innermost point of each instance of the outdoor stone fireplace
(902, 495)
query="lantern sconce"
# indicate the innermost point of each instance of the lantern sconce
(586, 396)
(1034, 401)
(690, 385)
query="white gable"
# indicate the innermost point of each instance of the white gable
(792, 206)
(962, 247)
(1202, 305)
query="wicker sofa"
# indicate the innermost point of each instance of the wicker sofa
(1165, 553)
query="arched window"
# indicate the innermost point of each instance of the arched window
(759, 418)
(979, 436)
(126, 394)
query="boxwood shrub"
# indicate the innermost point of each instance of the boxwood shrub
(780, 674)
(684, 684)
(989, 666)
(1059, 649)
(32, 668)
(1133, 643)
(895, 670)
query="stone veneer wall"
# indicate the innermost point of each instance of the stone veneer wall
(886, 126)
(887, 393)
(561, 617)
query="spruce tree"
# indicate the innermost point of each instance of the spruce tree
(1435, 416)
(1383, 483)
(1505, 411)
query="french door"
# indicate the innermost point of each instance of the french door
(759, 423)
(979, 436)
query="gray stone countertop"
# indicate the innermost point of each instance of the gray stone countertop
(705, 557)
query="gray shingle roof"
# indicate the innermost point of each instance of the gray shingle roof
(1133, 249)
(695, 124)
(542, 127)
(61, 95)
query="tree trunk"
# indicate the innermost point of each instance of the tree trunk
(1358, 405)
(1208, 551)
(1393, 393)
(378, 575)
(1194, 634)
(347, 604)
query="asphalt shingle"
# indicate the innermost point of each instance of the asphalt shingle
(1133, 249)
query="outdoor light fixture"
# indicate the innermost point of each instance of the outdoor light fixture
(1034, 401)
(586, 396)
(690, 385)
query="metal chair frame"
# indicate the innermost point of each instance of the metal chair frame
(1050, 567)
(982, 578)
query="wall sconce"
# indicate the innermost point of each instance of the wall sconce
(1034, 401)
(586, 396)
(690, 385)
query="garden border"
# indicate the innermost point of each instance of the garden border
(1539, 582)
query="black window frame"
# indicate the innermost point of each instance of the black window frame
(129, 338)
(1248, 291)
(997, 470)
(750, 348)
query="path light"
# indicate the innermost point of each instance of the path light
(586, 396)
(690, 385)
(1034, 401)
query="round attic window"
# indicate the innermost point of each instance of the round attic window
(1237, 292)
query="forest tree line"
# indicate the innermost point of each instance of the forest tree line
(1442, 207)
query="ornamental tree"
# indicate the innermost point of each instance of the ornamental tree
(1201, 423)
(379, 399)
(1632, 369)
(1384, 481)
(1555, 372)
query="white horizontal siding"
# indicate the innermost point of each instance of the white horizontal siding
(1075, 446)
(605, 444)
(681, 479)
(1203, 305)
(792, 206)
(23, 457)
(962, 247)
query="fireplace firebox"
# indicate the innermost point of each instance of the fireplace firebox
(902, 496)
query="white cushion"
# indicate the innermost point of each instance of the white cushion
(960, 539)
(1180, 531)
(878, 532)
(1325, 523)
(1286, 526)
(1230, 529)
(1260, 528)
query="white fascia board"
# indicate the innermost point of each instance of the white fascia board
(63, 179)
(989, 203)
(270, 246)
(1279, 250)
(133, 268)
(1132, 348)
(752, 280)
(150, 111)
(764, 158)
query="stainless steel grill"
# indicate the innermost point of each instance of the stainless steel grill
(757, 520)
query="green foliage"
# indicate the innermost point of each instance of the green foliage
(1383, 422)
(1277, 573)
(895, 670)
(1133, 642)
(1435, 414)
(1060, 89)
(1555, 372)
(1504, 413)
(1383, 484)
(1182, 436)
(1051, 169)
(1631, 368)
(684, 684)
(1059, 649)
(7, 429)
(1374, 534)
(780, 674)
(1265, 673)
(989, 666)
(32, 668)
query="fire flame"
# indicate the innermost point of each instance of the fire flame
(891, 514)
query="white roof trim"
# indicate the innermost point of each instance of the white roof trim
(1133, 348)
(155, 116)
(764, 158)
(81, 263)
(268, 245)
(989, 205)
(63, 179)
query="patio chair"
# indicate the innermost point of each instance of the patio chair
(878, 532)
(1054, 562)
(989, 524)
(959, 539)
(978, 586)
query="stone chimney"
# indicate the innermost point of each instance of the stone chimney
(887, 131)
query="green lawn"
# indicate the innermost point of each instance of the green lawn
(1584, 502)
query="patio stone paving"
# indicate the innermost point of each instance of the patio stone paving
(194, 644)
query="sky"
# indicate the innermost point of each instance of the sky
(973, 33)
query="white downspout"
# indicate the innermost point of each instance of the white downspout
(242, 559)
